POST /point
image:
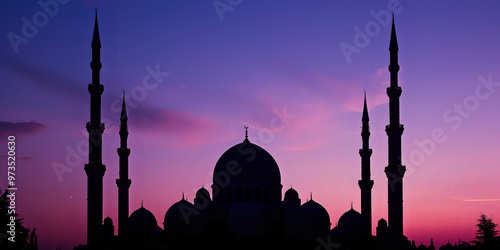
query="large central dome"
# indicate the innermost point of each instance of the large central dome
(247, 172)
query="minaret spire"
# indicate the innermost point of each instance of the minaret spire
(394, 40)
(365, 184)
(123, 115)
(95, 169)
(123, 182)
(96, 41)
(395, 170)
(365, 117)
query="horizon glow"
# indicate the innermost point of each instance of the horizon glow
(217, 74)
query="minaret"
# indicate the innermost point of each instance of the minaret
(365, 184)
(394, 171)
(123, 182)
(95, 169)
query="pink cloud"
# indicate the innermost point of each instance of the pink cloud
(474, 200)
(20, 128)
(174, 128)
(376, 91)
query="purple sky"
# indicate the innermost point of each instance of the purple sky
(219, 71)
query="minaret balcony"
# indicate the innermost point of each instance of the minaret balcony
(394, 92)
(393, 68)
(95, 65)
(123, 151)
(91, 127)
(95, 169)
(395, 171)
(394, 130)
(96, 89)
(366, 153)
(363, 184)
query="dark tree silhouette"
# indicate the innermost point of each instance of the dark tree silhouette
(486, 232)
(23, 238)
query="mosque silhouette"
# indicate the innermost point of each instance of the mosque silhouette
(246, 209)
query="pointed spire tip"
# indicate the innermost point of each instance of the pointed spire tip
(394, 41)
(365, 110)
(123, 115)
(96, 41)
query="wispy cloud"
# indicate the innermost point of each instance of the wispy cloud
(474, 200)
(179, 129)
(20, 128)
(48, 79)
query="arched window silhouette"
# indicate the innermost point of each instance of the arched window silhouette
(248, 194)
(229, 194)
(238, 194)
(257, 194)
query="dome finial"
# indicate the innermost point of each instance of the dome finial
(246, 131)
(351, 206)
(311, 195)
(142, 203)
(183, 195)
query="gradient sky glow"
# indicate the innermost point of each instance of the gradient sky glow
(262, 57)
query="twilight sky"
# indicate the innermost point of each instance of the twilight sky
(194, 76)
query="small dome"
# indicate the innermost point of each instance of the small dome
(291, 195)
(352, 224)
(108, 221)
(202, 198)
(351, 218)
(178, 215)
(315, 213)
(448, 246)
(313, 220)
(203, 193)
(431, 247)
(142, 218)
(247, 164)
(422, 247)
(382, 223)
